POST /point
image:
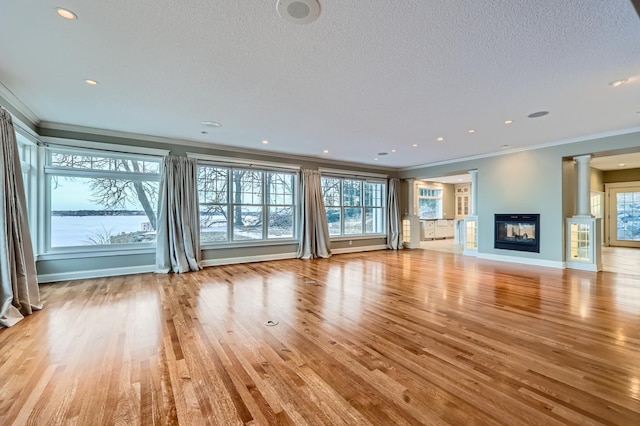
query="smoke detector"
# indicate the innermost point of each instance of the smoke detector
(298, 11)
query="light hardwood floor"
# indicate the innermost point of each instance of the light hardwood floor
(382, 338)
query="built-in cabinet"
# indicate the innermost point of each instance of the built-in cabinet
(463, 199)
(432, 229)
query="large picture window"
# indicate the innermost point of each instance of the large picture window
(98, 198)
(243, 204)
(354, 206)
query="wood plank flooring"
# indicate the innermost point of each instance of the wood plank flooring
(415, 337)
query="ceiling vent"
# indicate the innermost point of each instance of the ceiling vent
(298, 11)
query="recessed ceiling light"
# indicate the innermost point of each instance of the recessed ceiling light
(622, 165)
(91, 82)
(508, 121)
(538, 114)
(471, 131)
(393, 150)
(375, 159)
(440, 139)
(326, 151)
(414, 145)
(265, 142)
(618, 82)
(211, 124)
(66, 13)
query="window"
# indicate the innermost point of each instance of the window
(27, 151)
(245, 204)
(100, 198)
(354, 206)
(430, 203)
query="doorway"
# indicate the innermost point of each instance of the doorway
(623, 212)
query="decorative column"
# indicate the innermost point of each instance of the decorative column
(583, 230)
(473, 211)
(471, 221)
(411, 219)
(583, 207)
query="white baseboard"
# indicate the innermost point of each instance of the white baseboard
(358, 249)
(247, 259)
(592, 267)
(95, 273)
(523, 260)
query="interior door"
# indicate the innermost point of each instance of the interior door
(624, 216)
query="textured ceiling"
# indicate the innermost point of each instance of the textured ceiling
(365, 77)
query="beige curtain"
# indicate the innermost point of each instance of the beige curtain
(19, 294)
(178, 242)
(394, 228)
(314, 229)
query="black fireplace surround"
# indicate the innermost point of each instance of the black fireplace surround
(517, 232)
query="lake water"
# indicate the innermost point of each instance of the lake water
(77, 230)
(71, 231)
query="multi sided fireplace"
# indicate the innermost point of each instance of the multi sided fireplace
(517, 232)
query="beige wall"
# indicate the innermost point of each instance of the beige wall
(448, 201)
(597, 182)
(624, 175)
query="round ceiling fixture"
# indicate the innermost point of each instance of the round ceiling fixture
(618, 82)
(66, 13)
(211, 124)
(298, 11)
(538, 114)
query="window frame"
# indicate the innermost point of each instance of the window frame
(28, 152)
(440, 197)
(48, 171)
(264, 205)
(363, 181)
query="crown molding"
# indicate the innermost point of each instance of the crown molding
(28, 117)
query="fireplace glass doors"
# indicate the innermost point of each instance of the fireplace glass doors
(517, 232)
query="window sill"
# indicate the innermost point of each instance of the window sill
(358, 237)
(239, 244)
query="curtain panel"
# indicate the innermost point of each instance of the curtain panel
(394, 222)
(178, 233)
(314, 229)
(19, 293)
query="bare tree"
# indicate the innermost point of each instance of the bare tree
(214, 194)
(113, 193)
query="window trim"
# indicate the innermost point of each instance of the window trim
(230, 162)
(29, 167)
(77, 145)
(46, 251)
(364, 180)
(441, 198)
(230, 204)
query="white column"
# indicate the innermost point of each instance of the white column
(474, 192)
(583, 208)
